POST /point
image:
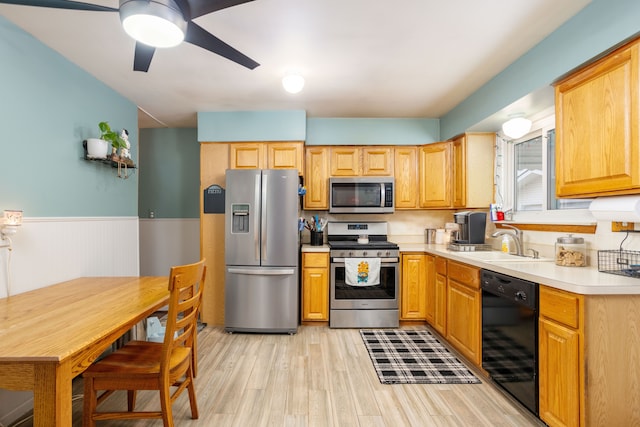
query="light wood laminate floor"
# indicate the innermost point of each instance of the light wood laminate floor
(318, 377)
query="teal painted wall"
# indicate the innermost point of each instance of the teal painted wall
(369, 131)
(49, 106)
(169, 173)
(599, 26)
(252, 126)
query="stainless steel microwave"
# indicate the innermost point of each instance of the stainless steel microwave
(366, 194)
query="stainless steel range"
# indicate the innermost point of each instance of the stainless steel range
(360, 251)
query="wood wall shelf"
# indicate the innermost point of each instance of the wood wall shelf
(122, 167)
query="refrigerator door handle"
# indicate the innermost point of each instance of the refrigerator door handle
(264, 217)
(256, 218)
(260, 272)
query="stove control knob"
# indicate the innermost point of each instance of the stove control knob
(388, 254)
(379, 254)
(364, 253)
(350, 254)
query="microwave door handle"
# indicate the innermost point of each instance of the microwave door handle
(382, 195)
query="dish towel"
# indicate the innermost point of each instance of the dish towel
(362, 271)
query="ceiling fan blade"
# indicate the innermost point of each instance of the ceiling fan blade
(200, 37)
(202, 7)
(61, 4)
(143, 56)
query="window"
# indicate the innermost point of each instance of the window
(525, 179)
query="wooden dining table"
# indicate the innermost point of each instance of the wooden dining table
(50, 335)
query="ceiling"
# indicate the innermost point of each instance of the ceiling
(360, 58)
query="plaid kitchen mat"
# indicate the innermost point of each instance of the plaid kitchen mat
(413, 357)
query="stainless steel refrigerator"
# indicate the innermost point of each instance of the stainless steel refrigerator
(261, 250)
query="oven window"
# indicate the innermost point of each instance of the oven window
(352, 195)
(385, 290)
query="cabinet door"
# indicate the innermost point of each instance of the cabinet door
(435, 175)
(414, 279)
(430, 290)
(559, 378)
(316, 178)
(377, 161)
(315, 294)
(406, 177)
(463, 320)
(597, 128)
(345, 161)
(246, 155)
(315, 286)
(459, 155)
(285, 155)
(440, 323)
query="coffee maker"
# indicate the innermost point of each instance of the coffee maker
(472, 227)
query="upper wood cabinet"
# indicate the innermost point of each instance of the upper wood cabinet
(435, 175)
(473, 156)
(597, 127)
(316, 178)
(246, 155)
(267, 155)
(377, 161)
(361, 161)
(406, 177)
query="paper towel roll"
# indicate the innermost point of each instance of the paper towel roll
(617, 208)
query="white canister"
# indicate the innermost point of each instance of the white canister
(439, 236)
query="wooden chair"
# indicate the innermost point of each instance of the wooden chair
(143, 365)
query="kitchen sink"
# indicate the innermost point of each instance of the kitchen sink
(496, 256)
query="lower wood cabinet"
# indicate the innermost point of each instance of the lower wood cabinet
(464, 300)
(413, 286)
(588, 359)
(440, 291)
(315, 286)
(560, 335)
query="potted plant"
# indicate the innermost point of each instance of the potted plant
(113, 138)
(97, 148)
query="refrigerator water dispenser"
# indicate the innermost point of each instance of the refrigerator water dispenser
(240, 218)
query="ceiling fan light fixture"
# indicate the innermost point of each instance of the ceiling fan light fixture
(293, 83)
(157, 23)
(517, 126)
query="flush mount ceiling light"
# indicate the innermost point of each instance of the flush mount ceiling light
(517, 126)
(293, 83)
(157, 23)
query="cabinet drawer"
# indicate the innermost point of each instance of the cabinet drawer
(315, 259)
(561, 306)
(441, 265)
(464, 274)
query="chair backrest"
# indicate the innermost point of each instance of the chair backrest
(186, 283)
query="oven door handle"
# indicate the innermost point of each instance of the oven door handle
(382, 261)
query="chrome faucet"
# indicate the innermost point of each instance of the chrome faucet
(516, 234)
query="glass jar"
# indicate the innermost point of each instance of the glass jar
(571, 251)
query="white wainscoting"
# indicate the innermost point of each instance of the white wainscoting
(168, 242)
(51, 250)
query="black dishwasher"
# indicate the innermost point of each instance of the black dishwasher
(510, 335)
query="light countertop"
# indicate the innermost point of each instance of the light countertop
(581, 280)
(308, 248)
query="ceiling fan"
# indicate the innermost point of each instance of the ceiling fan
(160, 23)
